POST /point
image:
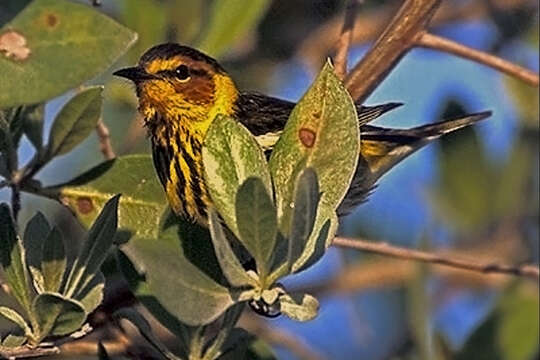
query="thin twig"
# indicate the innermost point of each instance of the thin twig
(15, 201)
(342, 48)
(397, 39)
(23, 352)
(435, 42)
(104, 136)
(411, 254)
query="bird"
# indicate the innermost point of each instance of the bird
(180, 92)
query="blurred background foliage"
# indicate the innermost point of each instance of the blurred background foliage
(475, 192)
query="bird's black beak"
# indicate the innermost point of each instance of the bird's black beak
(135, 74)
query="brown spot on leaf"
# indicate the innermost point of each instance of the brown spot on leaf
(85, 205)
(307, 137)
(13, 45)
(51, 20)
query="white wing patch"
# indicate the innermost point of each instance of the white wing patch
(268, 140)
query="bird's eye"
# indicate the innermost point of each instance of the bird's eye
(182, 72)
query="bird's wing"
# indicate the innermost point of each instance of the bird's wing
(265, 116)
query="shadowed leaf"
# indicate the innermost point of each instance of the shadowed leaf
(57, 315)
(257, 223)
(54, 261)
(76, 120)
(13, 260)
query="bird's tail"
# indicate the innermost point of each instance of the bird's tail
(382, 148)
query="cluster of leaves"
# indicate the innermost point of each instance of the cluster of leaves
(279, 215)
(55, 298)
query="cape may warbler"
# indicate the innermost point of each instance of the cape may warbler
(181, 90)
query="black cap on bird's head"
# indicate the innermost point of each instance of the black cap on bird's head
(161, 58)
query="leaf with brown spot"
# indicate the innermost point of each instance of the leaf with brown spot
(322, 133)
(62, 43)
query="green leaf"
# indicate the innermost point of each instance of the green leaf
(230, 156)
(37, 279)
(34, 235)
(299, 306)
(519, 325)
(95, 248)
(54, 261)
(33, 124)
(13, 341)
(323, 233)
(322, 133)
(57, 315)
(172, 285)
(306, 199)
(61, 45)
(13, 259)
(145, 330)
(143, 199)
(257, 222)
(15, 317)
(77, 119)
(91, 297)
(229, 20)
(229, 263)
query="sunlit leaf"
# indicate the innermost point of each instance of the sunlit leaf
(322, 133)
(76, 120)
(60, 44)
(299, 306)
(12, 341)
(228, 21)
(142, 203)
(231, 155)
(15, 317)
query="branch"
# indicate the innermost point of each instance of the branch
(342, 48)
(411, 254)
(430, 41)
(397, 39)
(104, 136)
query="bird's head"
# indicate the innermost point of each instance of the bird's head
(180, 84)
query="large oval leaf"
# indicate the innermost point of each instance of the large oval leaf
(171, 284)
(53, 46)
(142, 203)
(231, 155)
(322, 133)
